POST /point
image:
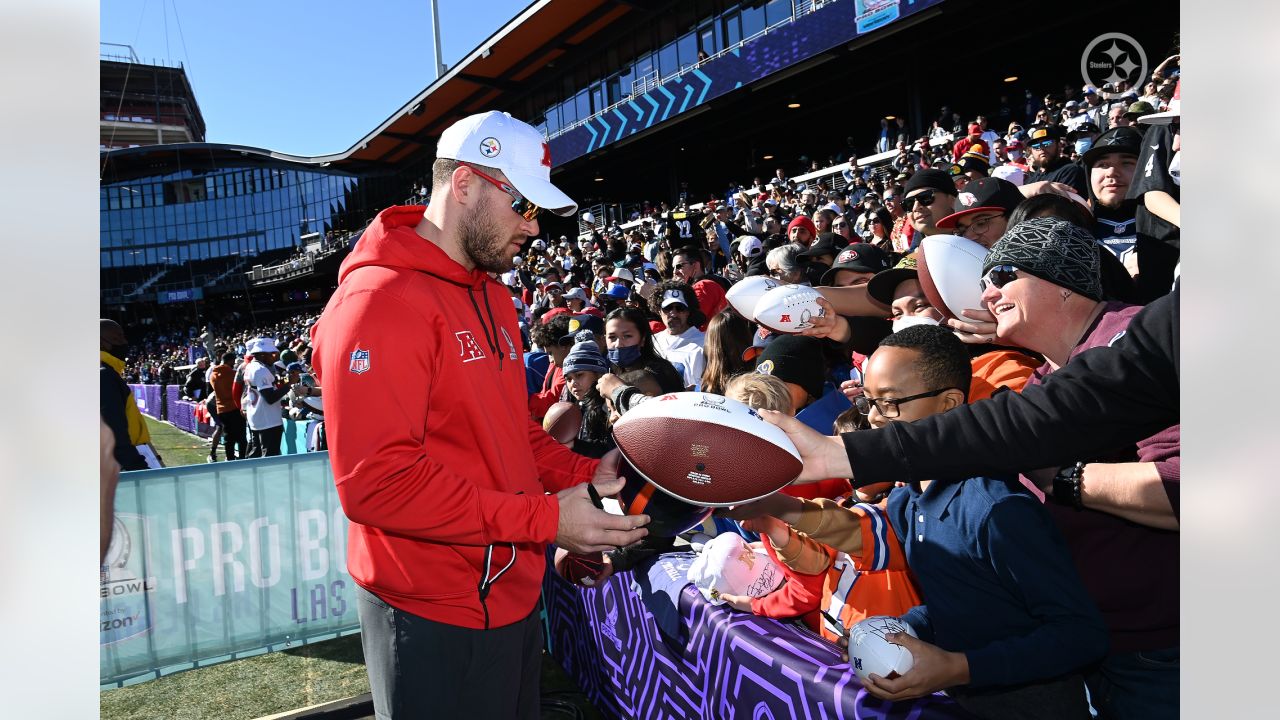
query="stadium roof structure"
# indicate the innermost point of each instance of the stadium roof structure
(486, 78)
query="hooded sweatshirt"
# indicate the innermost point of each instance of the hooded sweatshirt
(437, 464)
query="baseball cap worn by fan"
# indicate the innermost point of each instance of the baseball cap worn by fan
(578, 323)
(577, 293)
(1126, 140)
(759, 342)
(858, 257)
(795, 359)
(750, 246)
(622, 274)
(882, 287)
(674, 297)
(824, 244)
(727, 566)
(497, 140)
(987, 193)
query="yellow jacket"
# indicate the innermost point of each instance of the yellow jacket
(138, 433)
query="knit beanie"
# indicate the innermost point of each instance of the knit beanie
(933, 178)
(585, 355)
(804, 222)
(1052, 249)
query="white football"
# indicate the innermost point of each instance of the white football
(870, 653)
(745, 293)
(950, 269)
(788, 309)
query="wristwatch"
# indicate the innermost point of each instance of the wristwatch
(1067, 486)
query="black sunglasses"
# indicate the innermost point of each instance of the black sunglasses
(925, 198)
(998, 276)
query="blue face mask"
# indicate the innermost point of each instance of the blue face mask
(624, 356)
(1083, 145)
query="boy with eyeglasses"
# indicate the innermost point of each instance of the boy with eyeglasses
(1006, 625)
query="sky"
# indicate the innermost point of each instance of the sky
(306, 78)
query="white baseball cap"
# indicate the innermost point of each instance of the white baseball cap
(727, 565)
(750, 246)
(497, 140)
(1012, 173)
(577, 293)
(672, 297)
(621, 274)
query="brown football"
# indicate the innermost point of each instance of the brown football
(562, 422)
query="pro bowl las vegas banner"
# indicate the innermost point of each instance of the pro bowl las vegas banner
(219, 561)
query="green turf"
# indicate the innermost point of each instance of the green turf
(249, 688)
(278, 682)
(175, 446)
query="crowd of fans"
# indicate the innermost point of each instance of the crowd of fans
(1075, 198)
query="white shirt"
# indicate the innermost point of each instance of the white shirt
(686, 350)
(261, 414)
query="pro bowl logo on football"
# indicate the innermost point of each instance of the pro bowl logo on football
(124, 586)
(711, 402)
(490, 147)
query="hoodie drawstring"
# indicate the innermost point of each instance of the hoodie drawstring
(492, 340)
(489, 310)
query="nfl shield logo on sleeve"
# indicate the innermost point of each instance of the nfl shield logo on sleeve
(359, 361)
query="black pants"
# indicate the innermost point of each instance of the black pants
(233, 434)
(265, 443)
(1062, 698)
(424, 669)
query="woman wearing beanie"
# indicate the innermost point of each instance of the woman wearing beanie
(1043, 285)
(583, 366)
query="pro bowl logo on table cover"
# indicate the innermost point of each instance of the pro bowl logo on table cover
(490, 147)
(124, 584)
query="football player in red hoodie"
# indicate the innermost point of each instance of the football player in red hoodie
(438, 466)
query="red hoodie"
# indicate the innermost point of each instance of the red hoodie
(437, 464)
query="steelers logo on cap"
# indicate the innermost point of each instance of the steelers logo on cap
(490, 147)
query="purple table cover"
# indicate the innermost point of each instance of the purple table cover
(725, 664)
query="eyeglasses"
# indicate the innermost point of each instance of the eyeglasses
(519, 203)
(924, 198)
(977, 226)
(887, 407)
(1041, 144)
(839, 224)
(998, 276)
(675, 308)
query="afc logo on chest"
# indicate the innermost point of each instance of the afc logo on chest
(468, 349)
